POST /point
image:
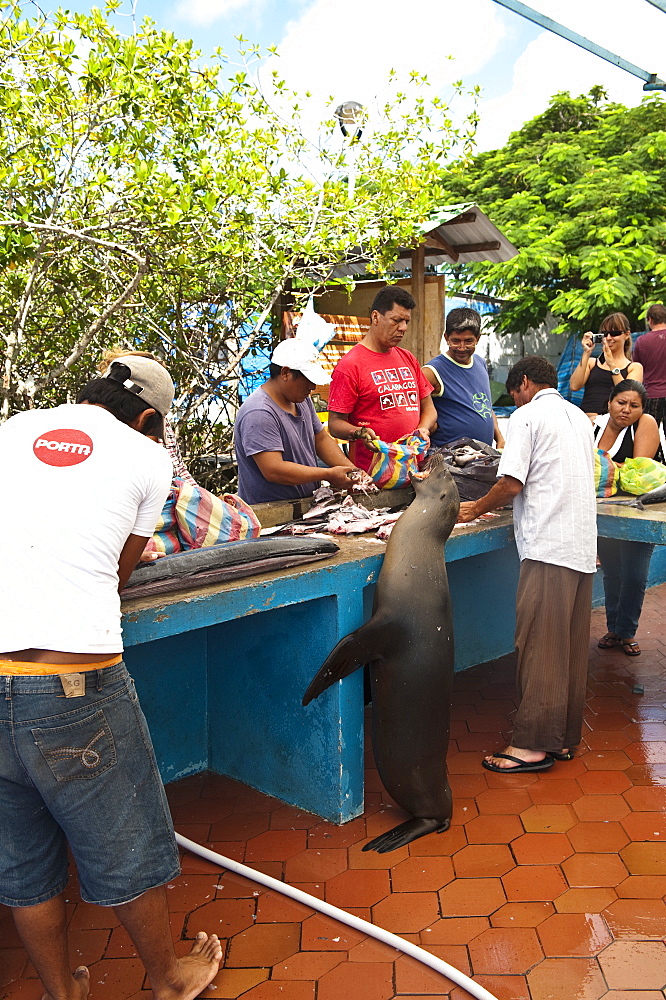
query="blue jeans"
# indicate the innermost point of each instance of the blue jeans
(80, 770)
(625, 567)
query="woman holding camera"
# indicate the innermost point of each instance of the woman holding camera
(599, 375)
(626, 431)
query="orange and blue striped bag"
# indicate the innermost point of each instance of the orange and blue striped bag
(606, 474)
(393, 463)
(193, 518)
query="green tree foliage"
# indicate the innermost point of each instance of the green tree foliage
(154, 199)
(580, 191)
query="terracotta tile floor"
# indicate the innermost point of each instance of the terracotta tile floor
(547, 886)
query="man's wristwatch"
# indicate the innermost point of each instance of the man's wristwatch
(615, 371)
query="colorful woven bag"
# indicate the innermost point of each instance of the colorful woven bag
(193, 518)
(394, 462)
(606, 474)
(640, 475)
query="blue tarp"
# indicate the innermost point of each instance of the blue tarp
(254, 371)
(571, 355)
(481, 305)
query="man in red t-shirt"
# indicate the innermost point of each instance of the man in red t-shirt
(378, 388)
(650, 351)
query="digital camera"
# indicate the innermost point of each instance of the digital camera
(597, 338)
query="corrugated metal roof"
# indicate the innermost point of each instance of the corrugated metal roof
(458, 234)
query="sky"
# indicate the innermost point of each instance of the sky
(346, 48)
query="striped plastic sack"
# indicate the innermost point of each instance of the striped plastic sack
(606, 474)
(165, 540)
(640, 475)
(394, 462)
(193, 518)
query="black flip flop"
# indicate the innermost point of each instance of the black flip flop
(630, 648)
(558, 755)
(609, 641)
(523, 766)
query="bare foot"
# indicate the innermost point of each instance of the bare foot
(196, 971)
(529, 756)
(82, 977)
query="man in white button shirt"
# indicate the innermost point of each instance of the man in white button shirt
(547, 469)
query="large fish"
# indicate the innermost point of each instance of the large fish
(657, 495)
(408, 644)
(226, 561)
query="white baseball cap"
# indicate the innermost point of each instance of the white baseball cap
(300, 356)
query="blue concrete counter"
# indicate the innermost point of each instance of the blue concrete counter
(221, 670)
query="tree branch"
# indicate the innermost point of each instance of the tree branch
(83, 237)
(94, 328)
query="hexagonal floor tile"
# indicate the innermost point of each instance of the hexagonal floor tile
(637, 965)
(571, 934)
(505, 950)
(565, 978)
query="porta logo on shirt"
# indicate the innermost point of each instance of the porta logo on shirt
(63, 447)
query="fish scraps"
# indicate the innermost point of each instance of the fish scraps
(334, 516)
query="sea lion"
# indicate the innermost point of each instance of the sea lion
(408, 644)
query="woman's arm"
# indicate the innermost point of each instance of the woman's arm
(635, 372)
(646, 437)
(580, 373)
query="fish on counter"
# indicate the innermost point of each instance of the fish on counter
(352, 519)
(330, 513)
(657, 495)
(323, 500)
(385, 529)
(223, 562)
(362, 482)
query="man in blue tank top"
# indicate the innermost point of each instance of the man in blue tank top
(461, 385)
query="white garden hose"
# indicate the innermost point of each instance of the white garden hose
(392, 940)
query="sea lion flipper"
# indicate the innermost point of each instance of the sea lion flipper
(405, 832)
(362, 646)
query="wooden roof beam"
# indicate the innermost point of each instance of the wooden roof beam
(438, 242)
(478, 247)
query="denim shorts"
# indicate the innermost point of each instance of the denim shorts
(80, 771)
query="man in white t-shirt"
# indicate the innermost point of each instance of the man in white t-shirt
(547, 469)
(77, 766)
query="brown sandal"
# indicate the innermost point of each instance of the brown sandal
(609, 641)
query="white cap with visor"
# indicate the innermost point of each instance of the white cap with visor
(301, 356)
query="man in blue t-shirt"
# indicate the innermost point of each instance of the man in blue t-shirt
(278, 437)
(461, 387)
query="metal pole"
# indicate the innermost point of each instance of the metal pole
(652, 81)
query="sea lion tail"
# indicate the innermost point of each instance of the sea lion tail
(362, 646)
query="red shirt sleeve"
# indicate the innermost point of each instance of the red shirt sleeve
(425, 389)
(343, 394)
